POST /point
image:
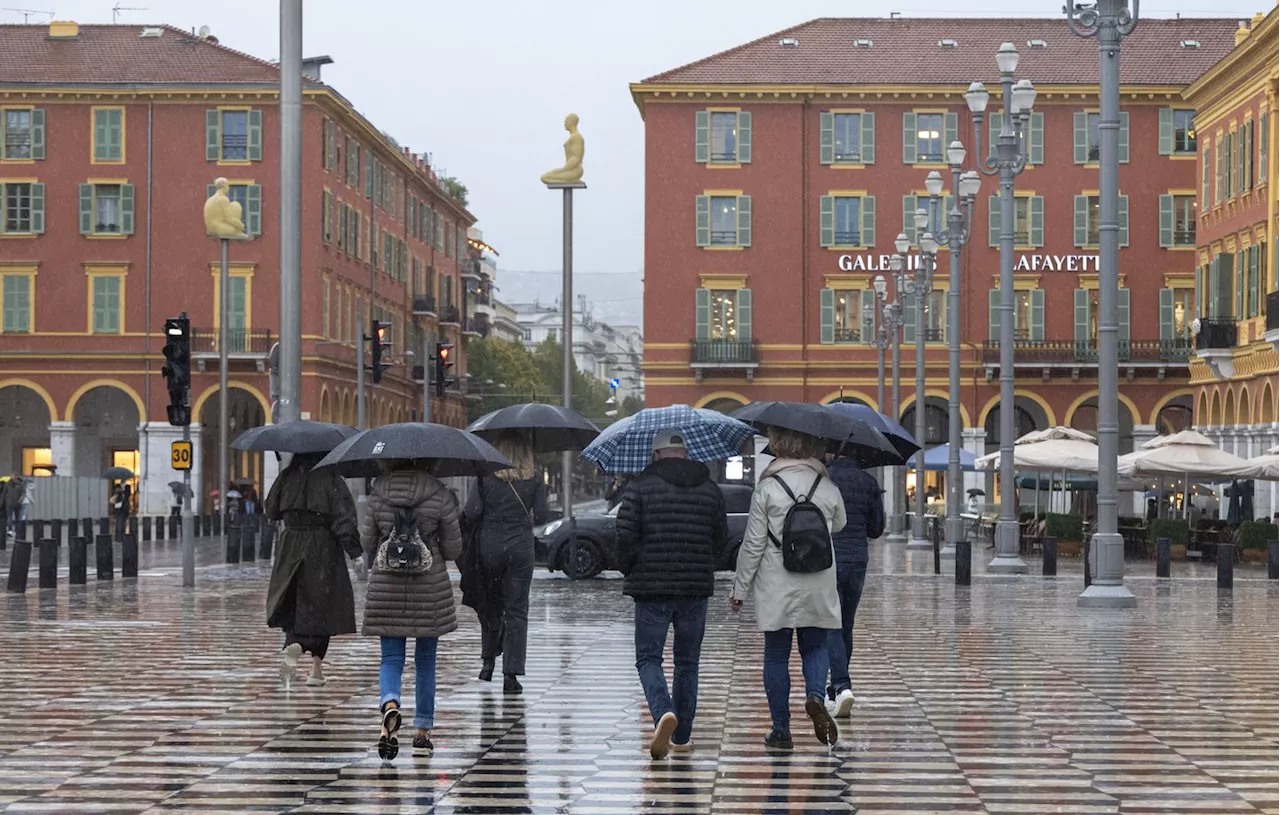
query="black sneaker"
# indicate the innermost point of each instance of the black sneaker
(778, 740)
(824, 727)
(422, 745)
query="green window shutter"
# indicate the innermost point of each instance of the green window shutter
(702, 137)
(1123, 147)
(826, 138)
(744, 314)
(1037, 315)
(331, 151)
(1082, 318)
(908, 138)
(253, 209)
(126, 209)
(1037, 220)
(255, 135)
(37, 209)
(995, 125)
(1080, 138)
(909, 217)
(867, 123)
(100, 146)
(1213, 304)
(744, 137)
(1035, 146)
(702, 314)
(950, 131)
(702, 219)
(827, 220)
(1123, 217)
(368, 175)
(868, 214)
(1165, 140)
(1166, 220)
(37, 134)
(827, 312)
(744, 220)
(909, 318)
(1239, 312)
(212, 135)
(324, 217)
(1122, 320)
(1200, 283)
(993, 220)
(86, 209)
(1166, 315)
(1082, 220)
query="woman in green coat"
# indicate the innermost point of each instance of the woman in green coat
(310, 596)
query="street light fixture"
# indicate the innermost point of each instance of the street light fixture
(893, 320)
(877, 336)
(922, 289)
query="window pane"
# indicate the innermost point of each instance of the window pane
(1095, 214)
(17, 134)
(106, 304)
(929, 136)
(724, 220)
(106, 208)
(17, 207)
(1022, 315)
(235, 135)
(236, 316)
(848, 127)
(240, 194)
(935, 312)
(17, 303)
(1184, 220)
(1093, 136)
(847, 316)
(723, 320)
(1022, 221)
(848, 221)
(1184, 133)
(724, 137)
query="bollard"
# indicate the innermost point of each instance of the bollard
(55, 530)
(86, 528)
(218, 523)
(248, 542)
(19, 566)
(79, 561)
(106, 557)
(48, 563)
(146, 529)
(1273, 559)
(964, 563)
(174, 521)
(1088, 570)
(104, 526)
(20, 529)
(267, 543)
(1164, 557)
(1049, 551)
(1226, 565)
(73, 529)
(131, 527)
(937, 549)
(129, 557)
(38, 531)
(233, 545)
(207, 524)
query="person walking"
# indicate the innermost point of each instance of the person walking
(10, 499)
(310, 596)
(119, 509)
(671, 533)
(864, 520)
(411, 528)
(805, 603)
(500, 514)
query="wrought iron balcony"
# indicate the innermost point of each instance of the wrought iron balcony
(424, 305)
(733, 355)
(724, 237)
(1217, 333)
(935, 335)
(1041, 353)
(416, 372)
(848, 335)
(241, 343)
(1273, 311)
(449, 315)
(1184, 237)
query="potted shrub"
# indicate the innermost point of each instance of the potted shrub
(1067, 529)
(1253, 540)
(1176, 530)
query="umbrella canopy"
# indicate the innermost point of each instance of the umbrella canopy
(448, 450)
(118, 474)
(1054, 434)
(975, 491)
(938, 459)
(1187, 453)
(1266, 467)
(551, 429)
(626, 446)
(845, 435)
(897, 435)
(294, 437)
(1053, 454)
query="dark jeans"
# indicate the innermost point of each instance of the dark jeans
(849, 581)
(512, 569)
(777, 669)
(689, 618)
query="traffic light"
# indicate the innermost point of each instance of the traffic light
(177, 368)
(444, 361)
(381, 339)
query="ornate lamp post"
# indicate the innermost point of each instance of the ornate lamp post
(923, 288)
(877, 336)
(1007, 162)
(895, 319)
(1109, 21)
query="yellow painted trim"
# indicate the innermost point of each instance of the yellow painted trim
(39, 390)
(1089, 282)
(838, 166)
(1026, 282)
(847, 282)
(1182, 157)
(1180, 280)
(835, 395)
(723, 110)
(91, 273)
(93, 133)
(106, 236)
(715, 395)
(1049, 414)
(18, 161)
(70, 414)
(233, 162)
(29, 271)
(722, 281)
(847, 193)
(106, 181)
(729, 165)
(198, 405)
(721, 193)
(722, 248)
(1070, 413)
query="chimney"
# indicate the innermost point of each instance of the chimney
(311, 66)
(1242, 33)
(64, 30)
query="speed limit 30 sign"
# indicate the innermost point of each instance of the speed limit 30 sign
(180, 455)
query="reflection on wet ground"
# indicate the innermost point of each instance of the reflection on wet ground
(135, 696)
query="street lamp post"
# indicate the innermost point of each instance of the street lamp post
(1007, 162)
(923, 288)
(876, 334)
(894, 320)
(964, 188)
(1109, 21)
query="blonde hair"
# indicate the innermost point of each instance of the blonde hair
(785, 443)
(515, 446)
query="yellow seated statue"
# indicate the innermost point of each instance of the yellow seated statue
(222, 216)
(571, 172)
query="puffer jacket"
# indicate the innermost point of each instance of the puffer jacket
(863, 509)
(412, 605)
(671, 531)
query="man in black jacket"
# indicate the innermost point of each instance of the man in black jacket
(671, 533)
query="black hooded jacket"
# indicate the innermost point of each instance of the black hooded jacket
(671, 532)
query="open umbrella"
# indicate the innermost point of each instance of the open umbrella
(975, 491)
(1187, 453)
(447, 450)
(844, 434)
(1267, 466)
(938, 459)
(550, 428)
(626, 446)
(118, 474)
(897, 435)
(298, 436)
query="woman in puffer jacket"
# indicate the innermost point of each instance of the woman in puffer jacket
(400, 605)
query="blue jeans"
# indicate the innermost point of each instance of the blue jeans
(424, 666)
(777, 669)
(689, 617)
(849, 581)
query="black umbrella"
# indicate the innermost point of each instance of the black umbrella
(975, 491)
(844, 434)
(294, 437)
(118, 474)
(551, 429)
(446, 451)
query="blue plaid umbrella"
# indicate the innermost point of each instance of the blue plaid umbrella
(627, 445)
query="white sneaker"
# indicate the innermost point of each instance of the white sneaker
(660, 744)
(687, 747)
(289, 663)
(317, 678)
(843, 705)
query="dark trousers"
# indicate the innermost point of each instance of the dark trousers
(849, 582)
(653, 619)
(509, 572)
(121, 516)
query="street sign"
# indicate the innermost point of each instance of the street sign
(180, 455)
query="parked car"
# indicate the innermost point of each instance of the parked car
(597, 547)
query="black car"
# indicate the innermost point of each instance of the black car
(597, 548)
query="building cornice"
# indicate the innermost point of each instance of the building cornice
(1259, 47)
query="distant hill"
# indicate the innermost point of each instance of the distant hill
(616, 298)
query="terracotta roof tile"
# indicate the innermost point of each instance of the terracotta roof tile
(906, 51)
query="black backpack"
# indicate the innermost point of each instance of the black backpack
(806, 539)
(403, 551)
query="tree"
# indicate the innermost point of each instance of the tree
(589, 393)
(631, 406)
(456, 189)
(505, 363)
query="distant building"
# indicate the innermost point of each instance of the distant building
(599, 349)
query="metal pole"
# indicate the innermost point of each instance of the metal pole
(360, 339)
(224, 288)
(955, 478)
(566, 489)
(1109, 21)
(897, 531)
(881, 342)
(290, 210)
(188, 537)
(426, 379)
(918, 540)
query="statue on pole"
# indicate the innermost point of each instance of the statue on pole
(223, 217)
(574, 147)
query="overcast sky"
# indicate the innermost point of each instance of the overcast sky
(484, 86)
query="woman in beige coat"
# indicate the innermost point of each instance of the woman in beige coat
(790, 601)
(399, 606)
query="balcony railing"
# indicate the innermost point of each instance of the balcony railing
(478, 328)
(1273, 311)
(1184, 237)
(424, 304)
(935, 334)
(417, 372)
(848, 335)
(723, 353)
(240, 342)
(1217, 333)
(449, 314)
(1049, 352)
(724, 237)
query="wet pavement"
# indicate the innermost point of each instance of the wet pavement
(140, 697)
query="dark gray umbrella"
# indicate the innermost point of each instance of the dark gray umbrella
(118, 474)
(844, 434)
(294, 437)
(1233, 507)
(445, 451)
(550, 428)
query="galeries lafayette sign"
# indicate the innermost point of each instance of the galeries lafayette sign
(1021, 263)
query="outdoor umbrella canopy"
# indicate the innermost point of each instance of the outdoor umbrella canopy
(118, 474)
(897, 435)
(1054, 455)
(298, 436)
(1187, 453)
(626, 446)
(1267, 466)
(550, 428)
(844, 434)
(449, 451)
(937, 459)
(1054, 434)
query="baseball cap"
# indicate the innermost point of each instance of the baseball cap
(668, 440)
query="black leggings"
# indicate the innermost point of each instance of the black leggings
(317, 646)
